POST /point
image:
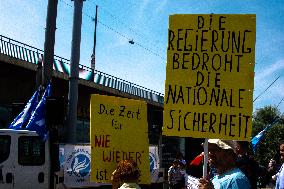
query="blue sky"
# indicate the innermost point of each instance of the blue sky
(146, 22)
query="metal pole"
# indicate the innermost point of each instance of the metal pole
(205, 147)
(74, 74)
(47, 69)
(93, 60)
(49, 42)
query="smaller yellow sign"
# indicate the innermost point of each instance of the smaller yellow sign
(119, 130)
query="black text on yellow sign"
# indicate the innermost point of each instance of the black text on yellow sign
(209, 76)
(118, 131)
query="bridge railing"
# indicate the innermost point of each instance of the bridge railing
(31, 54)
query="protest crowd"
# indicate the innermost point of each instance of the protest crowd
(230, 166)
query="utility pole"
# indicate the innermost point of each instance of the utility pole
(93, 60)
(74, 74)
(46, 76)
(49, 42)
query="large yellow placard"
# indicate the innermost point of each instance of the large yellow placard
(119, 130)
(210, 76)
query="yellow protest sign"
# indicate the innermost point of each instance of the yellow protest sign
(119, 130)
(210, 76)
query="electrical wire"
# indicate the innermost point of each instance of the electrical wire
(266, 88)
(280, 102)
(132, 30)
(115, 17)
(119, 33)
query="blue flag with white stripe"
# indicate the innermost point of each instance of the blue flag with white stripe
(37, 120)
(21, 120)
(255, 140)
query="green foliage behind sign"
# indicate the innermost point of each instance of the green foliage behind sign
(268, 147)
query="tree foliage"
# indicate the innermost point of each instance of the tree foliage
(269, 146)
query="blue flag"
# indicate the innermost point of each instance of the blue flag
(255, 140)
(37, 120)
(21, 120)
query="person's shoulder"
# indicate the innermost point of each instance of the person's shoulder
(239, 179)
(238, 174)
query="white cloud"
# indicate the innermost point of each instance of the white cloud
(276, 92)
(271, 70)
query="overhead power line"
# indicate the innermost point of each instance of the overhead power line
(66, 3)
(266, 88)
(153, 43)
(119, 33)
(280, 102)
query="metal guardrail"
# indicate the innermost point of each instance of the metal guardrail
(31, 54)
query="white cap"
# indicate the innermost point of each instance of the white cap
(223, 144)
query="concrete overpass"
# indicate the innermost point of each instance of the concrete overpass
(19, 65)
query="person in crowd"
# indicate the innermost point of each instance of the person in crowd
(127, 175)
(246, 163)
(182, 167)
(272, 166)
(223, 157)
(175, 176)
(271, 170)
(279, 177)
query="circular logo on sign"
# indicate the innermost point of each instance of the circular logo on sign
(80, 163)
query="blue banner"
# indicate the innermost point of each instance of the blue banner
(37, 120)
(255, 140)
(21, 120)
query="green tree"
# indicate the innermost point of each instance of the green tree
(268, 146)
